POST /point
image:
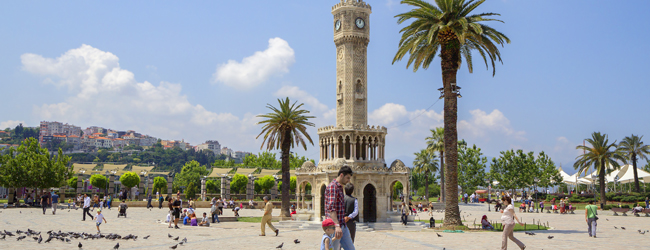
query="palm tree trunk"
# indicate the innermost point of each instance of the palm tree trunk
(636, 175)
(426, 184)
(601, 180)
(442, 175)
(286, 178)
(450, 55)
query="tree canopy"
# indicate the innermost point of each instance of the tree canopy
(130, 179)
(516, 169)
(238, 184)
(99, 181)
(471, 168)
(192, 172)
(32, 166)
(160, 184)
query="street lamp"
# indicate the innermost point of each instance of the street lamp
(489, 201)
(536, 202)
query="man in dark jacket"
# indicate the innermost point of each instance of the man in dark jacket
(351, 210)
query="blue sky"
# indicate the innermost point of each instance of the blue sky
(203, 70)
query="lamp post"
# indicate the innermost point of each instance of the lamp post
(536, 202)
(489, 201)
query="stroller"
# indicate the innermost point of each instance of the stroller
(122, 210)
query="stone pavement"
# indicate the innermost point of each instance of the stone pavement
(569, 232)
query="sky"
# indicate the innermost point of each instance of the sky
(203, 70)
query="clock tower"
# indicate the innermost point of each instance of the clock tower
(351, 37)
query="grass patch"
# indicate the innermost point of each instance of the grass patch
(427, 221)
(250, 219)
(499, 227)
(3, 201)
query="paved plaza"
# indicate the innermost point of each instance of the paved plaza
(569, 232)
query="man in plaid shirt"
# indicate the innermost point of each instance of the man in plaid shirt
(335, 209)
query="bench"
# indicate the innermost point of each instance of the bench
(571, 210)
(617, 210)
(646, 211)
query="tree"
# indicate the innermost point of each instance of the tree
(72, 182)
(224, 163)
(292, 184)
(212, 186)
(513, 170)
(285, 127)
(192, 172)
(397, 189)
(471, 168)
(130, 179)
(238, 183)
(191, 190)
(603, 156)
(99, 181)
(32, 166)
(632, 147)
(266, 183)
(436, 143)
(451, 29)
(160, 184)
(425, 163)
(547, 173)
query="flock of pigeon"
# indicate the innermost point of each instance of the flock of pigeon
(69, 236)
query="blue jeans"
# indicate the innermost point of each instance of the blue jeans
(344, 242)
(215, 215)
(591, 226)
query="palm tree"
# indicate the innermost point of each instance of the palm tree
(436, 143)
(283, 129)
(425, 163)
(601, 156)
(633, 147)
(448, 27)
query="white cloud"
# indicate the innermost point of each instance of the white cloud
(10, 124)
(482, 124)
(296, 93)
(106, 95)
(256, 69)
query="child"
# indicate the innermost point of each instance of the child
(169, 218)
(99, 218)
(69, 202)
(485, 224)
(328, 227)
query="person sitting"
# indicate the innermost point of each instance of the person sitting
(204, 222)
(251, 204)
(637, 209)
(485, 224)
(193, 220)
(186, 219)
(522, 207)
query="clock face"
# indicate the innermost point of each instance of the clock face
(337, 25)
(360, 23)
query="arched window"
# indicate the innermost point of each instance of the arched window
(359, 87)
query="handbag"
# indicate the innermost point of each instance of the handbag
(595, 217)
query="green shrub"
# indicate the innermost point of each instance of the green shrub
(625, 206)
(550, 197)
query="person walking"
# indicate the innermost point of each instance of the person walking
(149, 202)
(87, 208)
(508, 221)
(335, 208)
(266, 219)
(405, 213)
(214, 212)
(45, 200)
(160, 201)
(220, 205)
(55, 202)
(109, 201)
(591, 218)
(351, 210)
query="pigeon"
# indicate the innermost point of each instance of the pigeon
(3, 237)
(21, 237)
(181, 243)
(176, 238)
(438, 235)
(296, 241)
(606, 219)
(185, 239)
(79, 245)
(169, 236)
(40, 239)
(117, 246)
(642, 232)
(48, 240)
(174, 246)
(615, 227)
(280, 246)
(550, 237)
(623, 228)
(67, 240)
(36, 238)
(146, 237)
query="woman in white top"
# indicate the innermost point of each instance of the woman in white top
(508, 221)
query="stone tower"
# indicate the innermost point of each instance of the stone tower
(352, 141)
(351, 36)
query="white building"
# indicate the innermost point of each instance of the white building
(213, 146)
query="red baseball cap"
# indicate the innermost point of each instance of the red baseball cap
(328, 223)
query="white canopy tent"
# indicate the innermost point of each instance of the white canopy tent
(628, 176)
